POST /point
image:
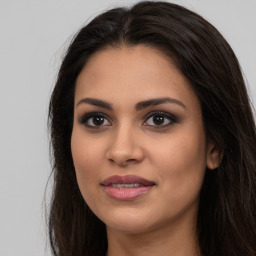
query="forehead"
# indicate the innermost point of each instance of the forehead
(135, 60)
(135, 72)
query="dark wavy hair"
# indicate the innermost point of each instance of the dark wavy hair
(226, 223)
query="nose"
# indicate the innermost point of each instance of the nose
(124, 148)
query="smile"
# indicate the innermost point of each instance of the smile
(127, 187)
(121, 186)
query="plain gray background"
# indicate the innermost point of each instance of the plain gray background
(34, 35)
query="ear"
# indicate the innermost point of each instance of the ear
(214, 156)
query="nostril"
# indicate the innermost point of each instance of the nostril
(123, 155)
(131, 160)
(122, 163)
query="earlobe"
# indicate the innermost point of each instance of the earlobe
(214, 156)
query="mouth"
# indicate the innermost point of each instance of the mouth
(126, 187)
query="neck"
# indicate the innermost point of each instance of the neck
(176, 241)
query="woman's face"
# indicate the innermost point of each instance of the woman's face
(138, 140)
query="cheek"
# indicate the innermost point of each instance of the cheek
(86, 159)
(86, 150)
(181, 162)
(180, 150)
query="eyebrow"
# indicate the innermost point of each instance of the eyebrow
(139, 106)
(153, 102)
(95, 102)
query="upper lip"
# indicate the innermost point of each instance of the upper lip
(127, 179)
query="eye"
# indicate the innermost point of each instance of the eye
(94, 120)
(160, 119)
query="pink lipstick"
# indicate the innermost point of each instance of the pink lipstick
(126, 187)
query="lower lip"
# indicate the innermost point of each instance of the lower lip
(125, 194)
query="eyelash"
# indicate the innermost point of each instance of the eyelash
(171, 119)
(86, 118)
(166, 116)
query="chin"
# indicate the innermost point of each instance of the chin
(129, 223)
(128, 227)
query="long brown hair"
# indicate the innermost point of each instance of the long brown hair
(226, 222)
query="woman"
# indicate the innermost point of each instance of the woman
(153, 139)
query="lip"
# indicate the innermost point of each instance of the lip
(122, 193)
(127, 179)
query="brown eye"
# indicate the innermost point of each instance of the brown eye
(98, 120)
(95, 120)
(160, 119)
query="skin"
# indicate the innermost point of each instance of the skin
(173, 155)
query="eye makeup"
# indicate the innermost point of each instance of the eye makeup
(94, 120)
(154, 119)
(160, 119)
